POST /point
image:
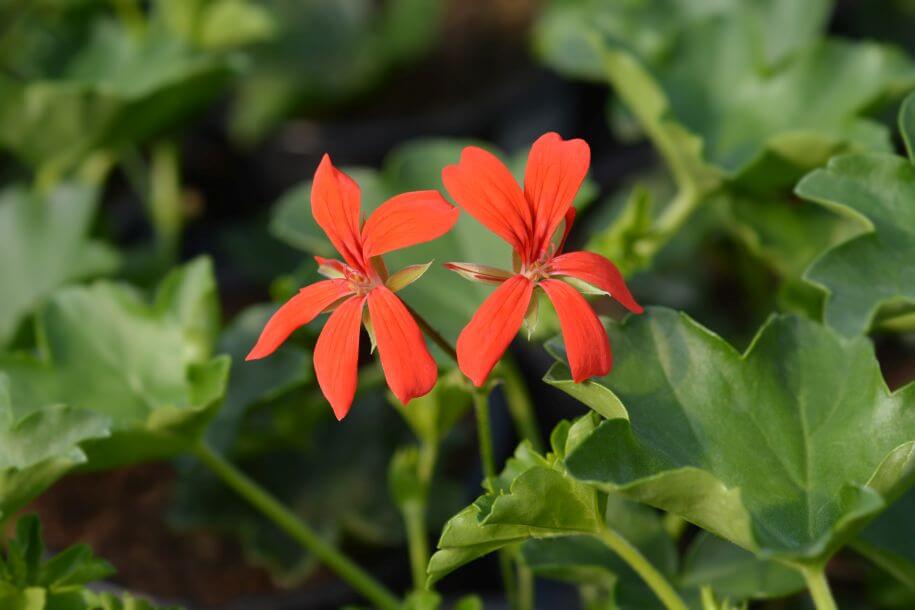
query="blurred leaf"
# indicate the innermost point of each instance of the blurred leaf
(109, 601)
(759, 90)
(39, 447)
(44, 243)
(735, 573)
(254, 383)
(217, 24)
(888, 540)
(334, 476)
(29, 582)
(693, 405)
(118, 89)
(432, 416)
(874, 269)
(103, 349)
(326, 52)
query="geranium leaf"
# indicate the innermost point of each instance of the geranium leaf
(877, 191)
(735, 573)
(757, 448)
(148, 368)
(888, 540)
(38, 447)
(743, 81)
(44, 243)
(105, 97)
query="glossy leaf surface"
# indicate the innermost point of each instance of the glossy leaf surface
(760, 448)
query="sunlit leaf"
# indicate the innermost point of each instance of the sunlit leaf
(103, 349)
(40, 446)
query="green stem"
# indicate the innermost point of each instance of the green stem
(520, 405)
(417, 542)
(484, 433)
(165, 207)
(487, 457)
(819, 588)
(433, 334)
(360, 580)
(525, 587)
(415, 518)
(631, 555)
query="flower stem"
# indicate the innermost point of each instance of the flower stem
(631, 555)
(417, 543)
(165, 205)
(819, 588)
(484, 433)
(360, 580)
(433, 334)
(519, 402)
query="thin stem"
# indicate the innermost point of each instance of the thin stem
(418, 544)
(520, 405)
(165, 206)
(631, 555)
(360, 580)
(484, 433)
(525, 587)
(415, 518)
(433, 334)
(819, 588)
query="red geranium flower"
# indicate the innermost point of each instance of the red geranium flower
(404, 220)
(527, 220)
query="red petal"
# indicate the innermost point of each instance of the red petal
(555, 171)
(492, 328)
(482, 185)
(407, 220)
(297, 311)
(335, 206)
(408, 366)
(337, 355)
(597, 271)
(587, 345)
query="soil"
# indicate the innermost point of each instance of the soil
(122, 516)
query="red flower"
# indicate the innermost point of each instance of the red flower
(527, 220)
(404, 220)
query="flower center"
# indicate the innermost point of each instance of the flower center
(538, 270)
(360, 283)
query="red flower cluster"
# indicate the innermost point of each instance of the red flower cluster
(484, 187)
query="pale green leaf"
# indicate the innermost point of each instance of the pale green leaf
(103, 349)
(44, 243)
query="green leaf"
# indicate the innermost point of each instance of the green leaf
(110, 601)
(258, 382)
(28, 582)
(44, 244)
(328, 51)
(874, 270)
(103, 349)
(735, 573)
(37, 448)
(762, 448)
(118, 89)
(888, 540)
(751, 91)
(431, 417)
(334, 477)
